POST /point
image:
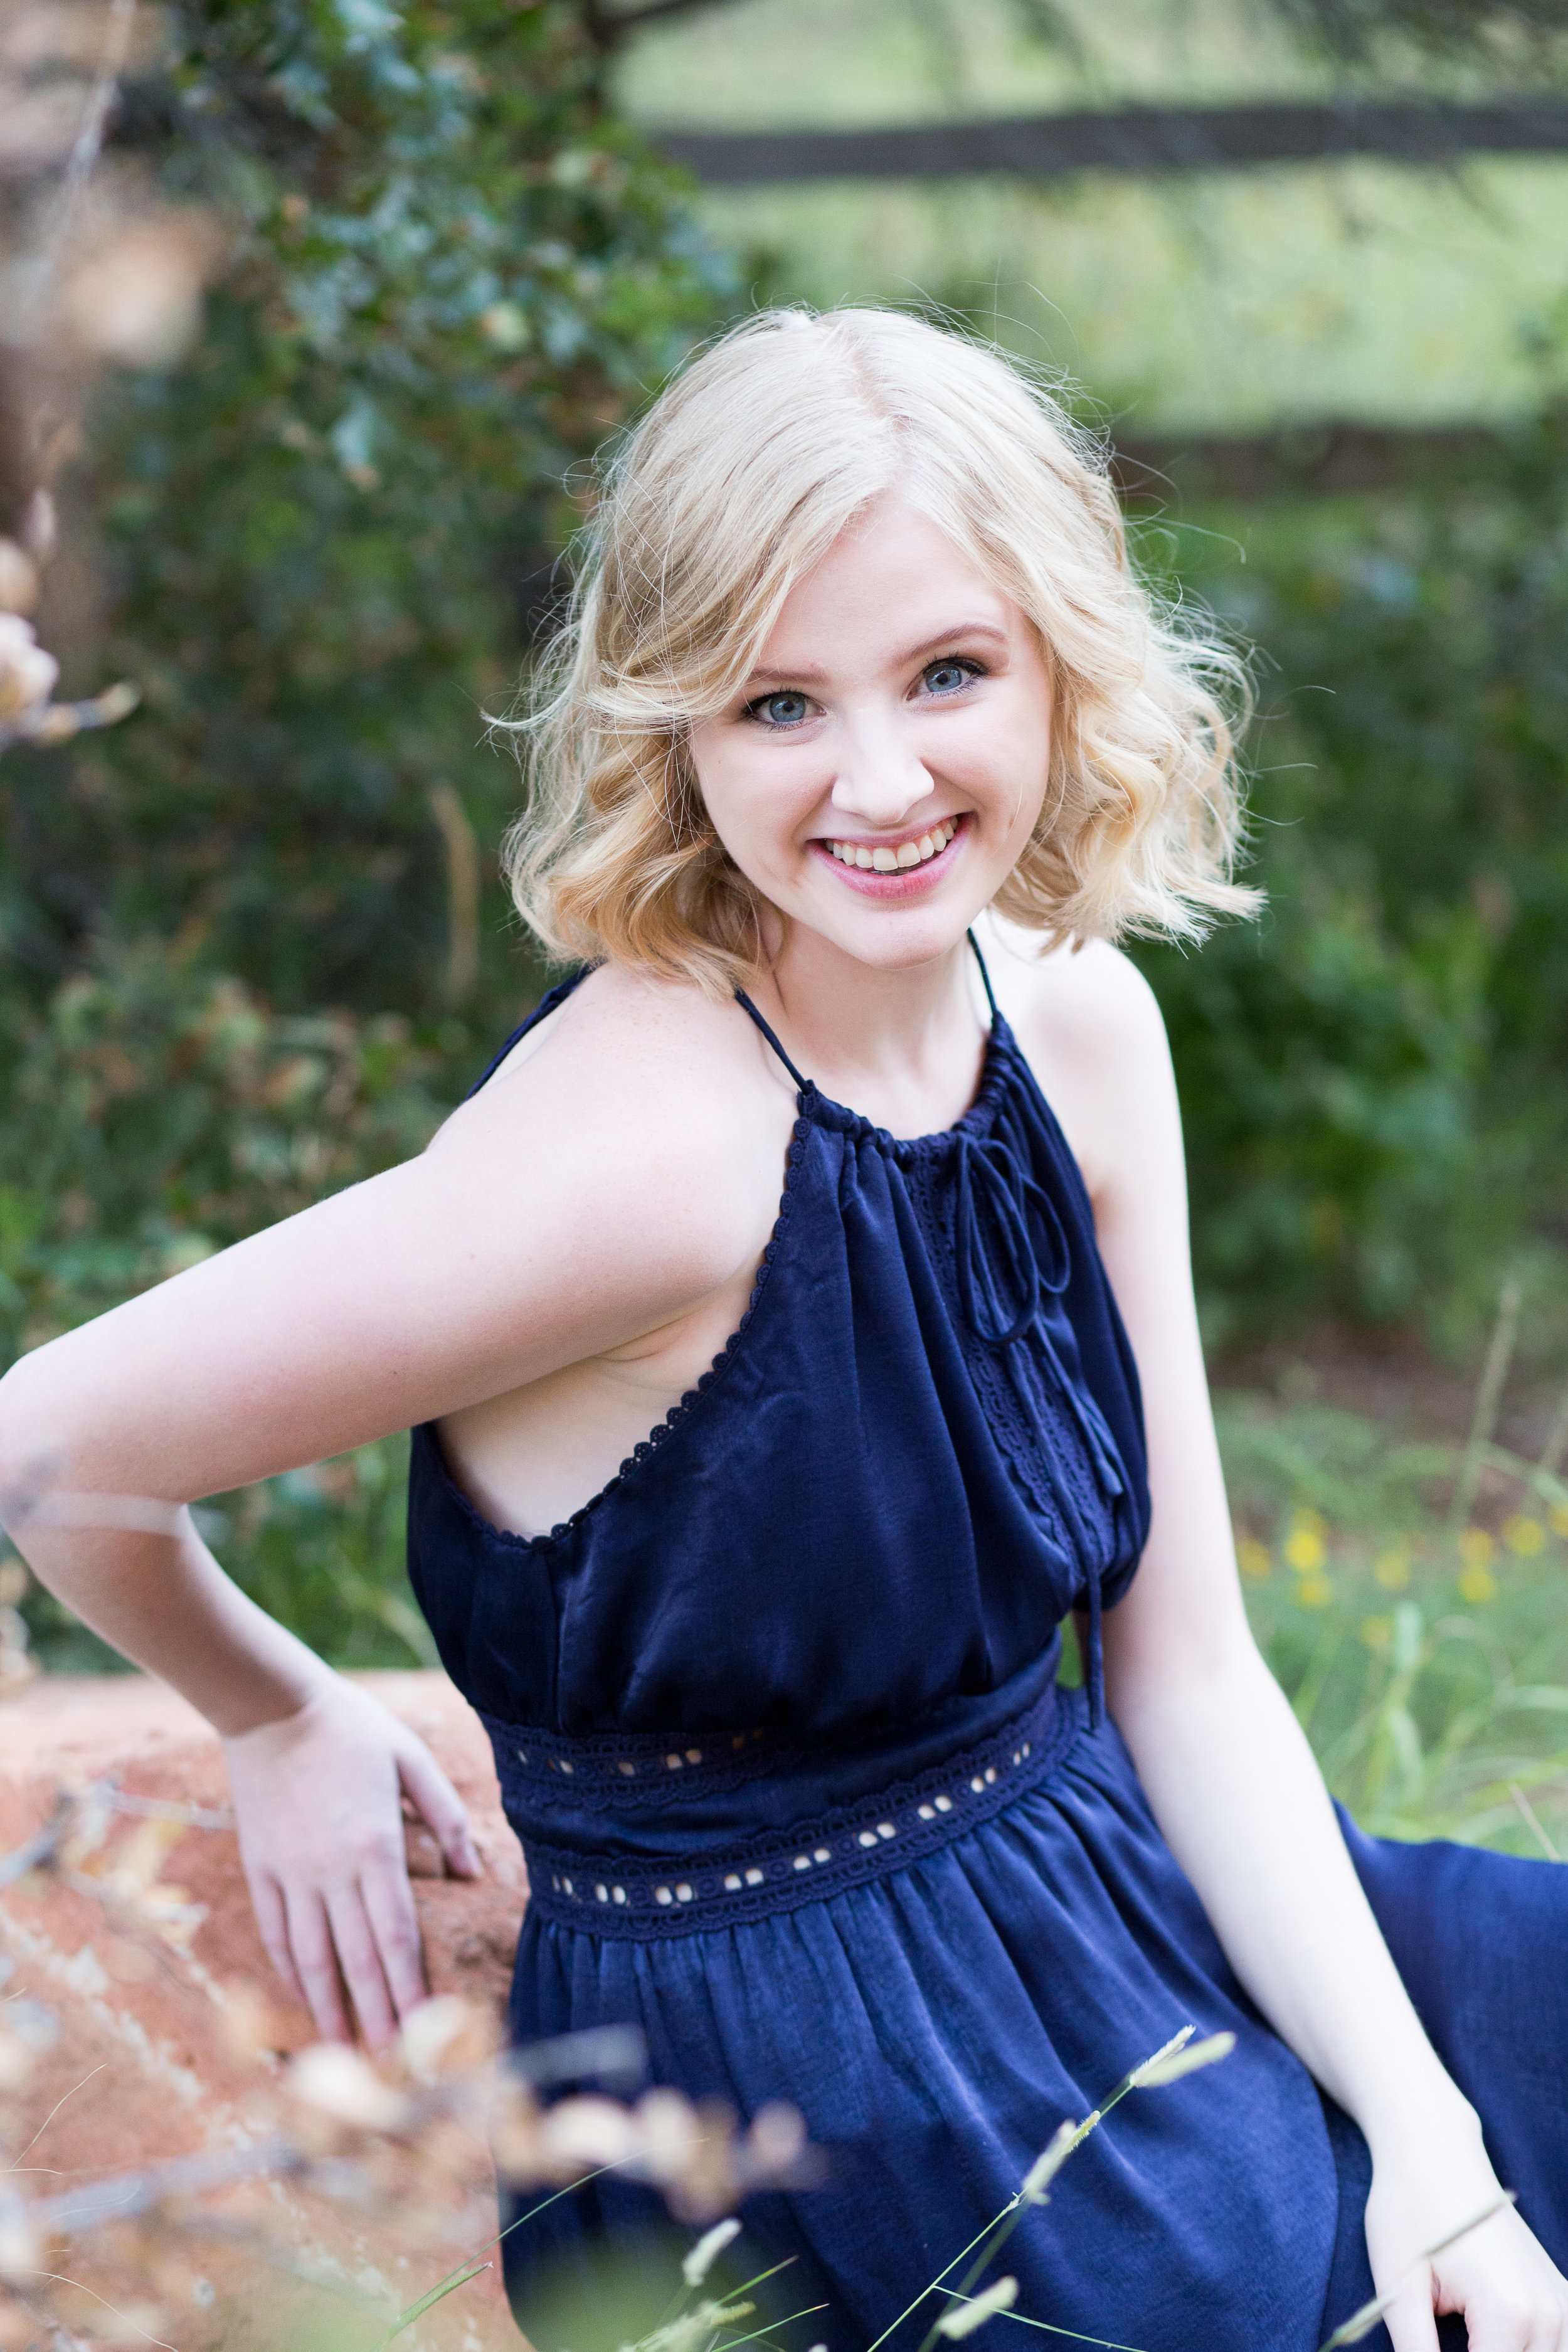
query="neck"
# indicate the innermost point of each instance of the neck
(905, 1046)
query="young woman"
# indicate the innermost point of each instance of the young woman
(749, 1526)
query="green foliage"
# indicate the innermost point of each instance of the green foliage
(1372, 1075)
(324, 1547)
(451, 272)
(1428, 1662)
(156, 1112)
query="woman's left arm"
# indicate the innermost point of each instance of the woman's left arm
(1226, 1769)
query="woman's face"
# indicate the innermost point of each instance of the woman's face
(881, 771)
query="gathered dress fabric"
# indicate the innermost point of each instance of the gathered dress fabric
(776, 1718)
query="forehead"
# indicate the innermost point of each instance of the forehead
(892, 581)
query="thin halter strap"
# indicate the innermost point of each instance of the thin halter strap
(984, 975)
(803, 1083)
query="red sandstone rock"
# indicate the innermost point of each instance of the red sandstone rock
(142, 2069)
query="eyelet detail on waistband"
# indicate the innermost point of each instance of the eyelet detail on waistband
(772, 1873)
(637, 1768)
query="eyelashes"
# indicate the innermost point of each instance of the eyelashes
(963, 664)
(780, 694)
(963, 668)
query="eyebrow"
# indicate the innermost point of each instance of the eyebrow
(807, 675)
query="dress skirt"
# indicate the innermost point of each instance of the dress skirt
(935, 2023)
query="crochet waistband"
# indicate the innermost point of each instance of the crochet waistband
(650, 1895)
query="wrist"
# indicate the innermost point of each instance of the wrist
(1434, 2126)
(276, 1698)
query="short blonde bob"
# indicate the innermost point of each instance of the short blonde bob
(737, 482)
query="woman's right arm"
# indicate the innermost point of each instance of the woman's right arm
(581, 1198)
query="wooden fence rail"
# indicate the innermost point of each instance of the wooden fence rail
(1142, 141)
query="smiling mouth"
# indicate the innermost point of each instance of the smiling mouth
(896, 856)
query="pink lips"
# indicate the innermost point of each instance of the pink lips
(905, 881)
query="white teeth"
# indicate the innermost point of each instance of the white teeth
(908, 852)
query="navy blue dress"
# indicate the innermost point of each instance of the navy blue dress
(777, 1718)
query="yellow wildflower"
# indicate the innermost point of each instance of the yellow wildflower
(1314, 1591)
(1253, 1559)
(1477, 1583)
(1304, 1549)
(1392, 1569)
(1524, 1534)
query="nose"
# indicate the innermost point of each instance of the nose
(880, 780)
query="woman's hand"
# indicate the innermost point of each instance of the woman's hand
(1513, 2297)
(318, 1800)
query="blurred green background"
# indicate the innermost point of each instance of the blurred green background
(252, 941)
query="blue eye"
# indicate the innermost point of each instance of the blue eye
(786, 708)
(949, 676)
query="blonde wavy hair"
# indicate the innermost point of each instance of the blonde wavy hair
(737, 481)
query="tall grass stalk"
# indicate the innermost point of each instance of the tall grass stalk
(1556, 1447)
(1167, 2064)
(1362, 2322)
(1532, 1822)
(1488, 1400)
(1074, 2334)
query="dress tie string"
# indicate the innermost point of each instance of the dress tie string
(1012, 1256)
(999, 1289)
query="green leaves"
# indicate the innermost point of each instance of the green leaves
(1369, 1074)
(450, 271)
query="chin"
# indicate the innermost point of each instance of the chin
(899, 940)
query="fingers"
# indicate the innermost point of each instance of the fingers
(366, 1937)
(361, 1963)
(1516, 2326)
(272, 1921)
(394, 1924)
(329, 1881)
(315, 1962)
(439, 1805)
(1411, 2323)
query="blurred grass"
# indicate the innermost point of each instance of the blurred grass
(1427, 1658)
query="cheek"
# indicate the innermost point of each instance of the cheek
(756, 794)
(720, 782)
(745, 803)
(1008, 764)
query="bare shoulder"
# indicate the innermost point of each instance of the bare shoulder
(657, 1107)
(625, 1029)
(1089, 1004)
(1094, 1035)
